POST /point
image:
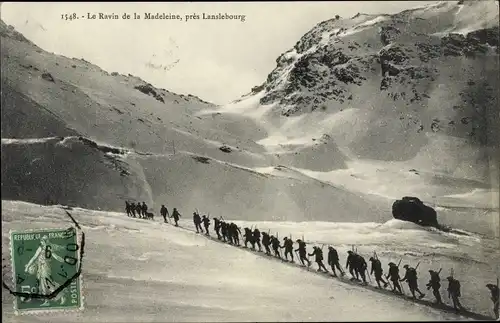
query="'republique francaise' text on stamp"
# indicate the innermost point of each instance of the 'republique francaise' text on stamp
(42, 261)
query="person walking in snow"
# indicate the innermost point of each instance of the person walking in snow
(248, 236)
(351, 265)
(127, 208)
(217, 227)
(144, 208)
(377, 269)
(138, 210)
(495, 295)
(266, 241)
(132, 209)
(230, 233)
(206, 223)
(454, 292)
(164, 213)
(256, 238)
(288, 246)
(197, 222)
(224, 231)
(319, 258)
(333, 261)
(275, 244)
(361, 267)
(411, 278)
(302, 252)
(176, 215)
(435, 284)
(394, 277)
(235, 234)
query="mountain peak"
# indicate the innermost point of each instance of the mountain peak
(336, 57)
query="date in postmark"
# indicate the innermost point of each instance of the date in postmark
(46, 270)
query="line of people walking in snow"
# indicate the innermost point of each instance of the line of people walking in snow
(138, 210)
(355, 263)
(141, 211)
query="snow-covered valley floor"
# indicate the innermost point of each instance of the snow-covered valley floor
(137, 270)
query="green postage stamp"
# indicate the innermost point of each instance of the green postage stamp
(42, 261)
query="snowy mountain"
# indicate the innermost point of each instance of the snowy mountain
(420, 86)
(410, 98)
(360, 112)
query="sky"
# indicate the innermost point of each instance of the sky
(216, 60)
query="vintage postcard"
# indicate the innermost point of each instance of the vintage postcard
(250, 161)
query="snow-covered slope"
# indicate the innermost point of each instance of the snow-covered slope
(119, 110)
(137, 271)
(71, 170)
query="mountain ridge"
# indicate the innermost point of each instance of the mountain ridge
(246, 159)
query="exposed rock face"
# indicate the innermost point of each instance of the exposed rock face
(413, 210)
(149, 90)
(411, 56)
(416, 85)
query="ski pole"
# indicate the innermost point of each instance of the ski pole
(399, 263)
(498, 296)
(402, 288)
(417, 265)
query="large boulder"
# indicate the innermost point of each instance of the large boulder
(413, 210)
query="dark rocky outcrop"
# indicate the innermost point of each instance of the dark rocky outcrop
(225, 149)
(48, 77)
(149, 90)
(412, 209)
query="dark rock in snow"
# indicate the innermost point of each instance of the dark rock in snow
(226, 149)
(48, 77)
(149, 90)
(413, 210)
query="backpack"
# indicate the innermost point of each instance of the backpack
(412, 274)
(457, 285)
(333, 255)
(394, 271)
